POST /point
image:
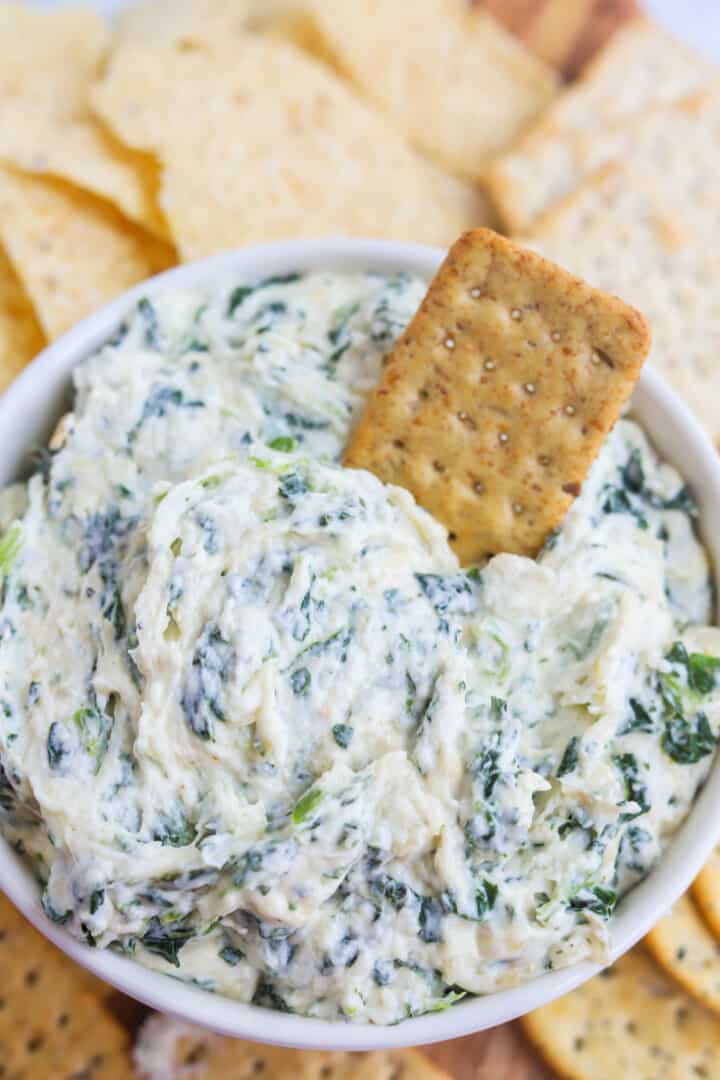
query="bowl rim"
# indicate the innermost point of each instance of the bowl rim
(34, 395)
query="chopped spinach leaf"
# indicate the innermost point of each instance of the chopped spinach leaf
(300, 681)
(307, 805)
(485, 898)
(639, 719)
(687, 741)
(635, 790)
(569, 760)
(597, 899)
(166, 940)
(342, 734)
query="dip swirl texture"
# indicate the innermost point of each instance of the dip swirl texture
(260, 730)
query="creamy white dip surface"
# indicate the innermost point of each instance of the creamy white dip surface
(258, 728)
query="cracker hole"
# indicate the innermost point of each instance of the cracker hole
(258, 1066)
(452, 537)
(449, 343)
(34, 1043)
(544, 460)
(63, 1020)
(489, 365)
(529, 387)
(504, 438)
(326, 1071)
(424, 394)
(398, 444)
(196, 1054)
(518, 508)
(438, 466)
(516, 314)
(466, 419)
(556, 335)
(570, 410)
(476, 293)
(31, 977)
(599, 356)
(479, 487)
(571, 489)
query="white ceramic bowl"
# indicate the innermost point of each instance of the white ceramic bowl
(28, 411)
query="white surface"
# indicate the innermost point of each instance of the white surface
(28, 411)
(696, 21)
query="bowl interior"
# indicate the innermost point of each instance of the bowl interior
(28, 412)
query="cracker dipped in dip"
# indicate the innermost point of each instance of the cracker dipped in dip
(261, 730)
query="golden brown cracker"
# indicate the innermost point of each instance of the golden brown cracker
(271, 147)
(20, 335)
(52, 1020)
(48, 61)
(71, 251)
(499, 395)
(684, 946)
(165, 1044)
(706, 892)
(641, 67)
(617, 233)
(448, 75)
(630, 1021)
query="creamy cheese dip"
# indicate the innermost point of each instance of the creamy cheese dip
(257, 727)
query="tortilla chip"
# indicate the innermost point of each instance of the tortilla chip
(164, 1045)
(20, 335)
(642, 66)
(71, 251)
(52, 1020)
(617, 234)
(706, 892)
(629, 1022)
(682, 945)
(497, 398)
(48, 61)
(449, 76)
(242, 164)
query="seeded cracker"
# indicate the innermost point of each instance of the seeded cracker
(52, 1021)
(617, 233)
(706, 892)
(164, 1045)
(641, 67)
(499, 395)
(631, 1023)
(71, 251)
(48, 61)
(684, 946)
(454, 81)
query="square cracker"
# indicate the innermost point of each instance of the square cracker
(706, 892)
(616, 232)
(71, 251)
(164, 1044)
(48, 62)
(52, 1020)
(685, 948)
(630, 1021)
(643, 66)
(241, 165)
(453, 80)
(499, 395)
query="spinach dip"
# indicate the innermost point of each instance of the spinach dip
(260, 731)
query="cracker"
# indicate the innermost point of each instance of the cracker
(631, 1021)
(641, 67)
(456, 83)
(71, 251)
(616, 233)
(52, 1020)
(164, 1045)
(648, 144)
(682, 945)
(242, 165)
(499, 395)
(706, 892)
(48, 61)
(20, 335)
